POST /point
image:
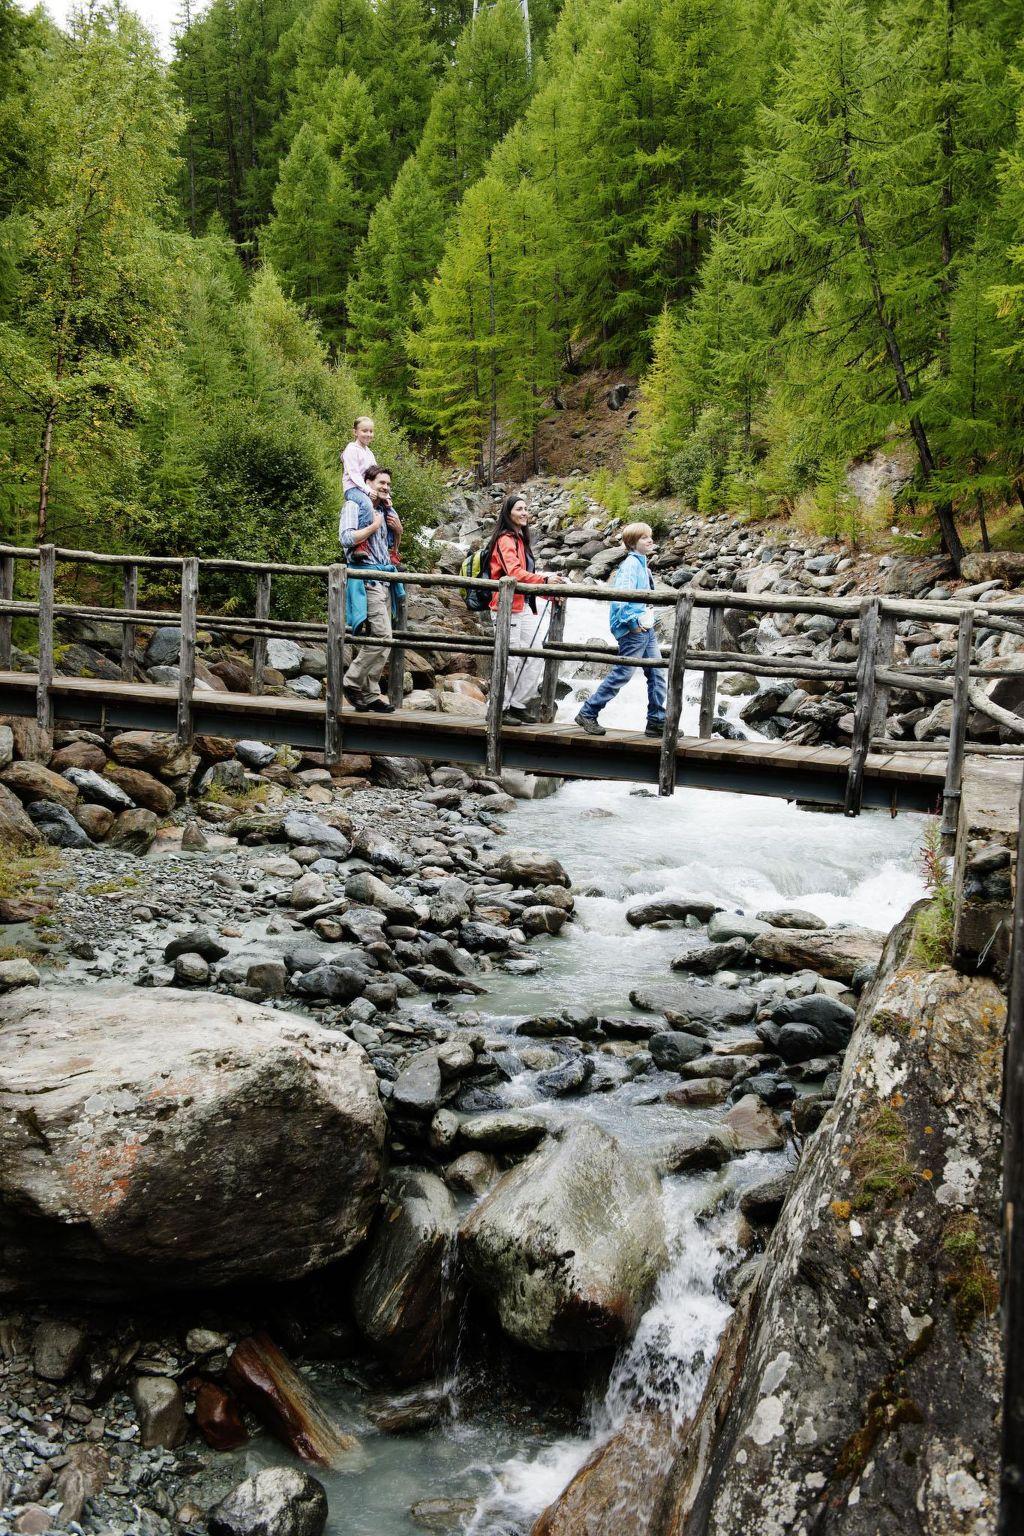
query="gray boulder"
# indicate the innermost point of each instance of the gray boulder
(715, 1006)
(672, 1050)
(674, 909)
(164, 647)
(255, 754)
(711, 957)
(309, 831)
(567, 1246)
(97, 790)
(404, 1301)
(285, 657)
(418, 1087)
(521, 866)
(190, 1140)
(279, 1501)
(58, 826)
(733, 925)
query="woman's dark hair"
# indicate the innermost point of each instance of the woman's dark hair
(506, 525)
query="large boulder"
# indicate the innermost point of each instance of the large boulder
(679, 1001)
(520, 866)
(404, 1300)
(158, 1139)
(15, 826)
(835, 952)
(277, 1501)
(142, 787)
(568, 1245)
(31, 782)
(157, 752)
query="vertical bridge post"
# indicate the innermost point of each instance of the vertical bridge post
(6, 619)
(187, 655)
(130, 597)
(259, 644)
(44, 701)
(709, 685)
(957, 731)
(884, 650)
(334, 727)
(864, 706)
(396, 661)
(1011, 1503)
(549, 685)
(499, 671)
(674, 695)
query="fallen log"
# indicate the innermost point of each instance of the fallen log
(267, 1382)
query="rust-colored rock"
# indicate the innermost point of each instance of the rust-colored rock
(268, 1383)
(143, 788)
(618, 1487)
(15, 826)
(95, 820)
(218, 1417)
(79, 754)
(32, 742)
(213, 749)
(31, 781)
(156, 751)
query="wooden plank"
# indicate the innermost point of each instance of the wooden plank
(333, 725)
(396, 664)
(674, 701)
(47, 568)
(259, 644)
(709, 686)
(187, 657)
(957, 732)
(499, 671)
(130, 598)
(6, 619)
(866, 660)
(883, 658)
(549, 685)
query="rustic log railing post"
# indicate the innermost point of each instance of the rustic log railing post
(334, 726)
(1011, 1502)
(709, 686)
(259, 644)
(47, 570)
(674, 695)
(6, 619)
(396, 662)
(957, 731)
(866, 659)
(499, 671)
(187, 655)
(549, 685)
(884, 649)
(130, 592)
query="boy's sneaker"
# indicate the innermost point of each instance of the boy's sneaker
(589, 724)
(654, 728)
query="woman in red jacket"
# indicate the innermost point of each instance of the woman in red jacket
(511, 555)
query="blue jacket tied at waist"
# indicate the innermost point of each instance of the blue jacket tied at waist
(355, 594)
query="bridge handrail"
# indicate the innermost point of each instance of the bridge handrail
(875, 672)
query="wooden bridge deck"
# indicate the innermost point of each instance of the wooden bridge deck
(906, 781)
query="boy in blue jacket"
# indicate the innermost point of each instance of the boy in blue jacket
(632, 624)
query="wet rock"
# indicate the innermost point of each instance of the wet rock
(537, 920)
(99, 790)
(714, 1006)
(267, 1382)
(404, 1300)
(160, 1407)
(32, 782)
(567, 1246)
(832, 952)
(672, 910)
(725, 926)
(699, 1091)
(672, 1049)
(134, 831)
(338, 981)
(279, 1501)
(198, 941)
(833, 1019)
(753, 1127)
(792, 917)
(762, 1203)
(521, 867)
(137, 1095)
(443, 1516)
(17, 973)
(571, 1077)
(418, 1087)
(711, 957)
(142, 788)
(218, 1417)
(696, 1151)
(472, 1174)
(505, 1131)
(57, 1349)
(57, 825)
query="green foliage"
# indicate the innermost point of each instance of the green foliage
(879, 1160)
(933, 926)
(968, 1280)
(612, 491)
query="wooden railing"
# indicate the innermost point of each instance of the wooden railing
(872, 676)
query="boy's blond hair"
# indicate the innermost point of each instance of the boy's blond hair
(634, 532)
(359, 422)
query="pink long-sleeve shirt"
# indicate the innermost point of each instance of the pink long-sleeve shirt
(356, 460)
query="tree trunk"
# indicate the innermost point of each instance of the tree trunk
(45, 458)
(492, 434)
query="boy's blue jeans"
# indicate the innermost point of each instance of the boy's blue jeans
(637, 642)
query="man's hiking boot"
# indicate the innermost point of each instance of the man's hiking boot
(356, 700)
(381, 706)
(512, 717)
(590, 725)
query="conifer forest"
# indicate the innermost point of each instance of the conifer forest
(799, 223)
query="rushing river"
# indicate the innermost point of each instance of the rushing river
(498, 1456)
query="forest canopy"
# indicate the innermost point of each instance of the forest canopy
(801, 222)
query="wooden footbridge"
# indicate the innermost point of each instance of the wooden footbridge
(873, 771)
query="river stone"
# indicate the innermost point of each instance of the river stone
(753, 1127)
(404, 1301)
(674, 909)
(833, 952)
(520, 866)
(160, 1408)
(376, 849)
(142, 788)
(31, 782)
(57, 825)
(198, 941)
(536, 920)
(17, 973)
(164, 647)
(568, 1245)
(715, 1006)
(711, 957)
(418, 1086)
(255, 754)
(375, 892)
(57, 1349)
(571, 1077)
(134, 831)
(15, 825)
(699, 1091)
(762, 1203)
(95, 821)
(832, 1019)
(733, 925)
(792, 917)
(145, 1098)
(157, 752)
(472, 1173)
(309, 831)
(99, 790)
(505, 1131)
(672, 1049)
(279, 1501)
(339, 981)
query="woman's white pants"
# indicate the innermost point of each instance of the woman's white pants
(523, 680)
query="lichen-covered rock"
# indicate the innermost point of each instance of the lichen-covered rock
(158, 1139)
(834, 952)
(278, 1501)
(568, 1245)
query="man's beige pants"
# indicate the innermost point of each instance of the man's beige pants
(363, 676)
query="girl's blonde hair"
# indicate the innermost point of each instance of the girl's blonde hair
(634, 532)
(359, 422)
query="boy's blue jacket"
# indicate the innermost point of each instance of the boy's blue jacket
(631, 576)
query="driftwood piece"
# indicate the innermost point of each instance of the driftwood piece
(267, 1382)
